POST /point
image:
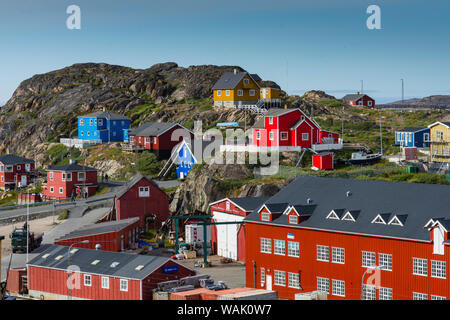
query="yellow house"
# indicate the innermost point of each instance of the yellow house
(240, 88)
(440, 141)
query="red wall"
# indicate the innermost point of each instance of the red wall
(323, 161)
(163, 142)
(365, 101)
(131, 205)
(9, 176)
(400, 279)
(69, 186)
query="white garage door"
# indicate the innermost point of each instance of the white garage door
(227, 243)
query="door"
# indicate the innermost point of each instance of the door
(23, 181)
(122, 243)
(268, 282)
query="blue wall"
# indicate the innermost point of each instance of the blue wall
(185, 161)
(412, 139)
(101, 128)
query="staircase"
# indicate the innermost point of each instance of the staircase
(259, 107)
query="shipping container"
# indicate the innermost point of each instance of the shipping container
(258, 294)
(194, 233)
(16, 280)
(214, 294)
(188, 295)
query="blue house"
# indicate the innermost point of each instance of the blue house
(103, 126)
(413, 137)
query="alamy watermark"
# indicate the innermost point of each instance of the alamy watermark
(73, 22)
(374, 20)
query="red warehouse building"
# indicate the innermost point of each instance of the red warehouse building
(63, 180)
(111, 236)
(15, 171)
(353, 239)
(359, 100)
(291, 130)
(99, 275)
(159, 137)
(228, 240)
(142, 198)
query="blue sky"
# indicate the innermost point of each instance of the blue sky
(302, 45)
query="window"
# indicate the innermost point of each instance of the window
(19, 168)
(378, 219)
(81, 176)
(105, 282)
(155, 140)
(61, 190)
(90, 122)
(271, 136)
(88, 133)
(67, 176)
(279, 247)
(114, 133)
(100, 122)
(114, 123)
(338, 288)
(323, 285)
(360, 103)
(426, 137)
(438, 269)
(51, 189)
(219, 93)
(9, 169)
(293, 280)
(123, 123)
(280, 278)
(293, 249)
(82, 134)
(369, 103)
(266, 245)
(81, 122)
(305, 136)
(322, 253)
(87, 280)
(3, 178)
(385, 294)
(385, 261)
(252, 93)
(368, 259)
(434, 297)
(227, 93)
(240, 93)
(246, 81)
(284, 135)
(338, 255)
(420, 267)
(270, 120)
(265, 216)
(2, 168)
(263, 277)
(420, 296)
(144, 192)
(50, 175)
(258, 135)
(123, 285)
(439, 135)
(293, 219)
(368, 292)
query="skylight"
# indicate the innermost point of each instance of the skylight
(114, 264)
(139, 267)
(95, 262)
(333, 215)
(73, 250)
(348, 217)
(58, 257)
(378, 219)
(45, 255)
(396, 222)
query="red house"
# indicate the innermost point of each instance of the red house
(359, 100)
(290, 130)
(228, 240)
(353, 239)
(158, 137)
(99, 275)
(142, 198)
(15, 171)
(111, 236)
(323, 161)
(63, 180)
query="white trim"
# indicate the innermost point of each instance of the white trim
(344, 217)
(228, 199)
(436, 123)
(380, 217)
(395, 221)
(332, 215)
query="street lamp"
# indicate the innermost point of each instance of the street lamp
(69, 287)
(362, 279)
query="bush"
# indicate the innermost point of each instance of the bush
(148, 164)
(63, 215)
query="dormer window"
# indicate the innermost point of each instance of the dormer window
(379, 220)
(293, 219)
(348, 217)
(265, 216)
(333, 215)
(246, 81)
(395, 221)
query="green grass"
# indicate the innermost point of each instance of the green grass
(63, 215)
(9, 200)
(101, 190)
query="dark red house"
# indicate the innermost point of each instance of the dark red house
(99, 275)
(63, 180)
(359, 100)
(228, 240)
(353, 239)
(142, 198)
(111, 236)
(15, 171)
(159, 137)
(290, 130)
(323, 161)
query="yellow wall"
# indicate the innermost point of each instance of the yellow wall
(240, 86)
(271, 93)
(440, 147)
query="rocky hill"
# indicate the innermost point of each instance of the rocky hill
(435, 101)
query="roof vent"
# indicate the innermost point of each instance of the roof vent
(309, 201)
(71, 161)
(349, 193)
(114, 264)
(98, 246)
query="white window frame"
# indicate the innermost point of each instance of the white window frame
(420, 296)
(323, 253)
(286, 135)
(87, 280)
(270, 120)
(369, 103)
(368, 292)
(61, 190)
(227, 93)
(122, 286)
(251, 93)
(291, 219)
(50, 175)
(323, 284)
(279, 278)
(293, 280)
(258, 135)
(279, 247)
(81, 122)
(265, 216)
(262, 276)
(385, 260)
(420, 267)
(67, 176)
(438, 269)
(19, 167)
(338, 255)
(9, 168)
(246, 81)
(2, 168)
(105, 282)
(52, 189)
(219, 93)
(293, 249)
(100, 122)
(338, 288)
(384, 293)
(271, 136)
(91, 122)
(265, 245)
(368, 259)
(144, 192)
(79, 178)
(435, 297)
(305, 136)
(240, 92)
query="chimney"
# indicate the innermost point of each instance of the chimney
(104, 109)
(235, 71)
(349, 193)
(309, 201)
(71, 161)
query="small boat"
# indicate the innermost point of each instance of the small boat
(362, 157)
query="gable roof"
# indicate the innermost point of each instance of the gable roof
(105, 114)
(249, 203)
(9, 159)
(412, 129)
(447, 124)
(370, 198)
(130, 183)
(72, 167)
(229, 80)
(354, 97)
(154, 129)
(83, 258)
(277, 112)
(255, 77)
(99, 228)
(197, 147)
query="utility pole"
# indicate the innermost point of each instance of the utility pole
(403, 90)
(362, 86)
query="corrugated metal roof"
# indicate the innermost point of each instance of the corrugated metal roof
(114, 264)
(13, 159)
(415, 203)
